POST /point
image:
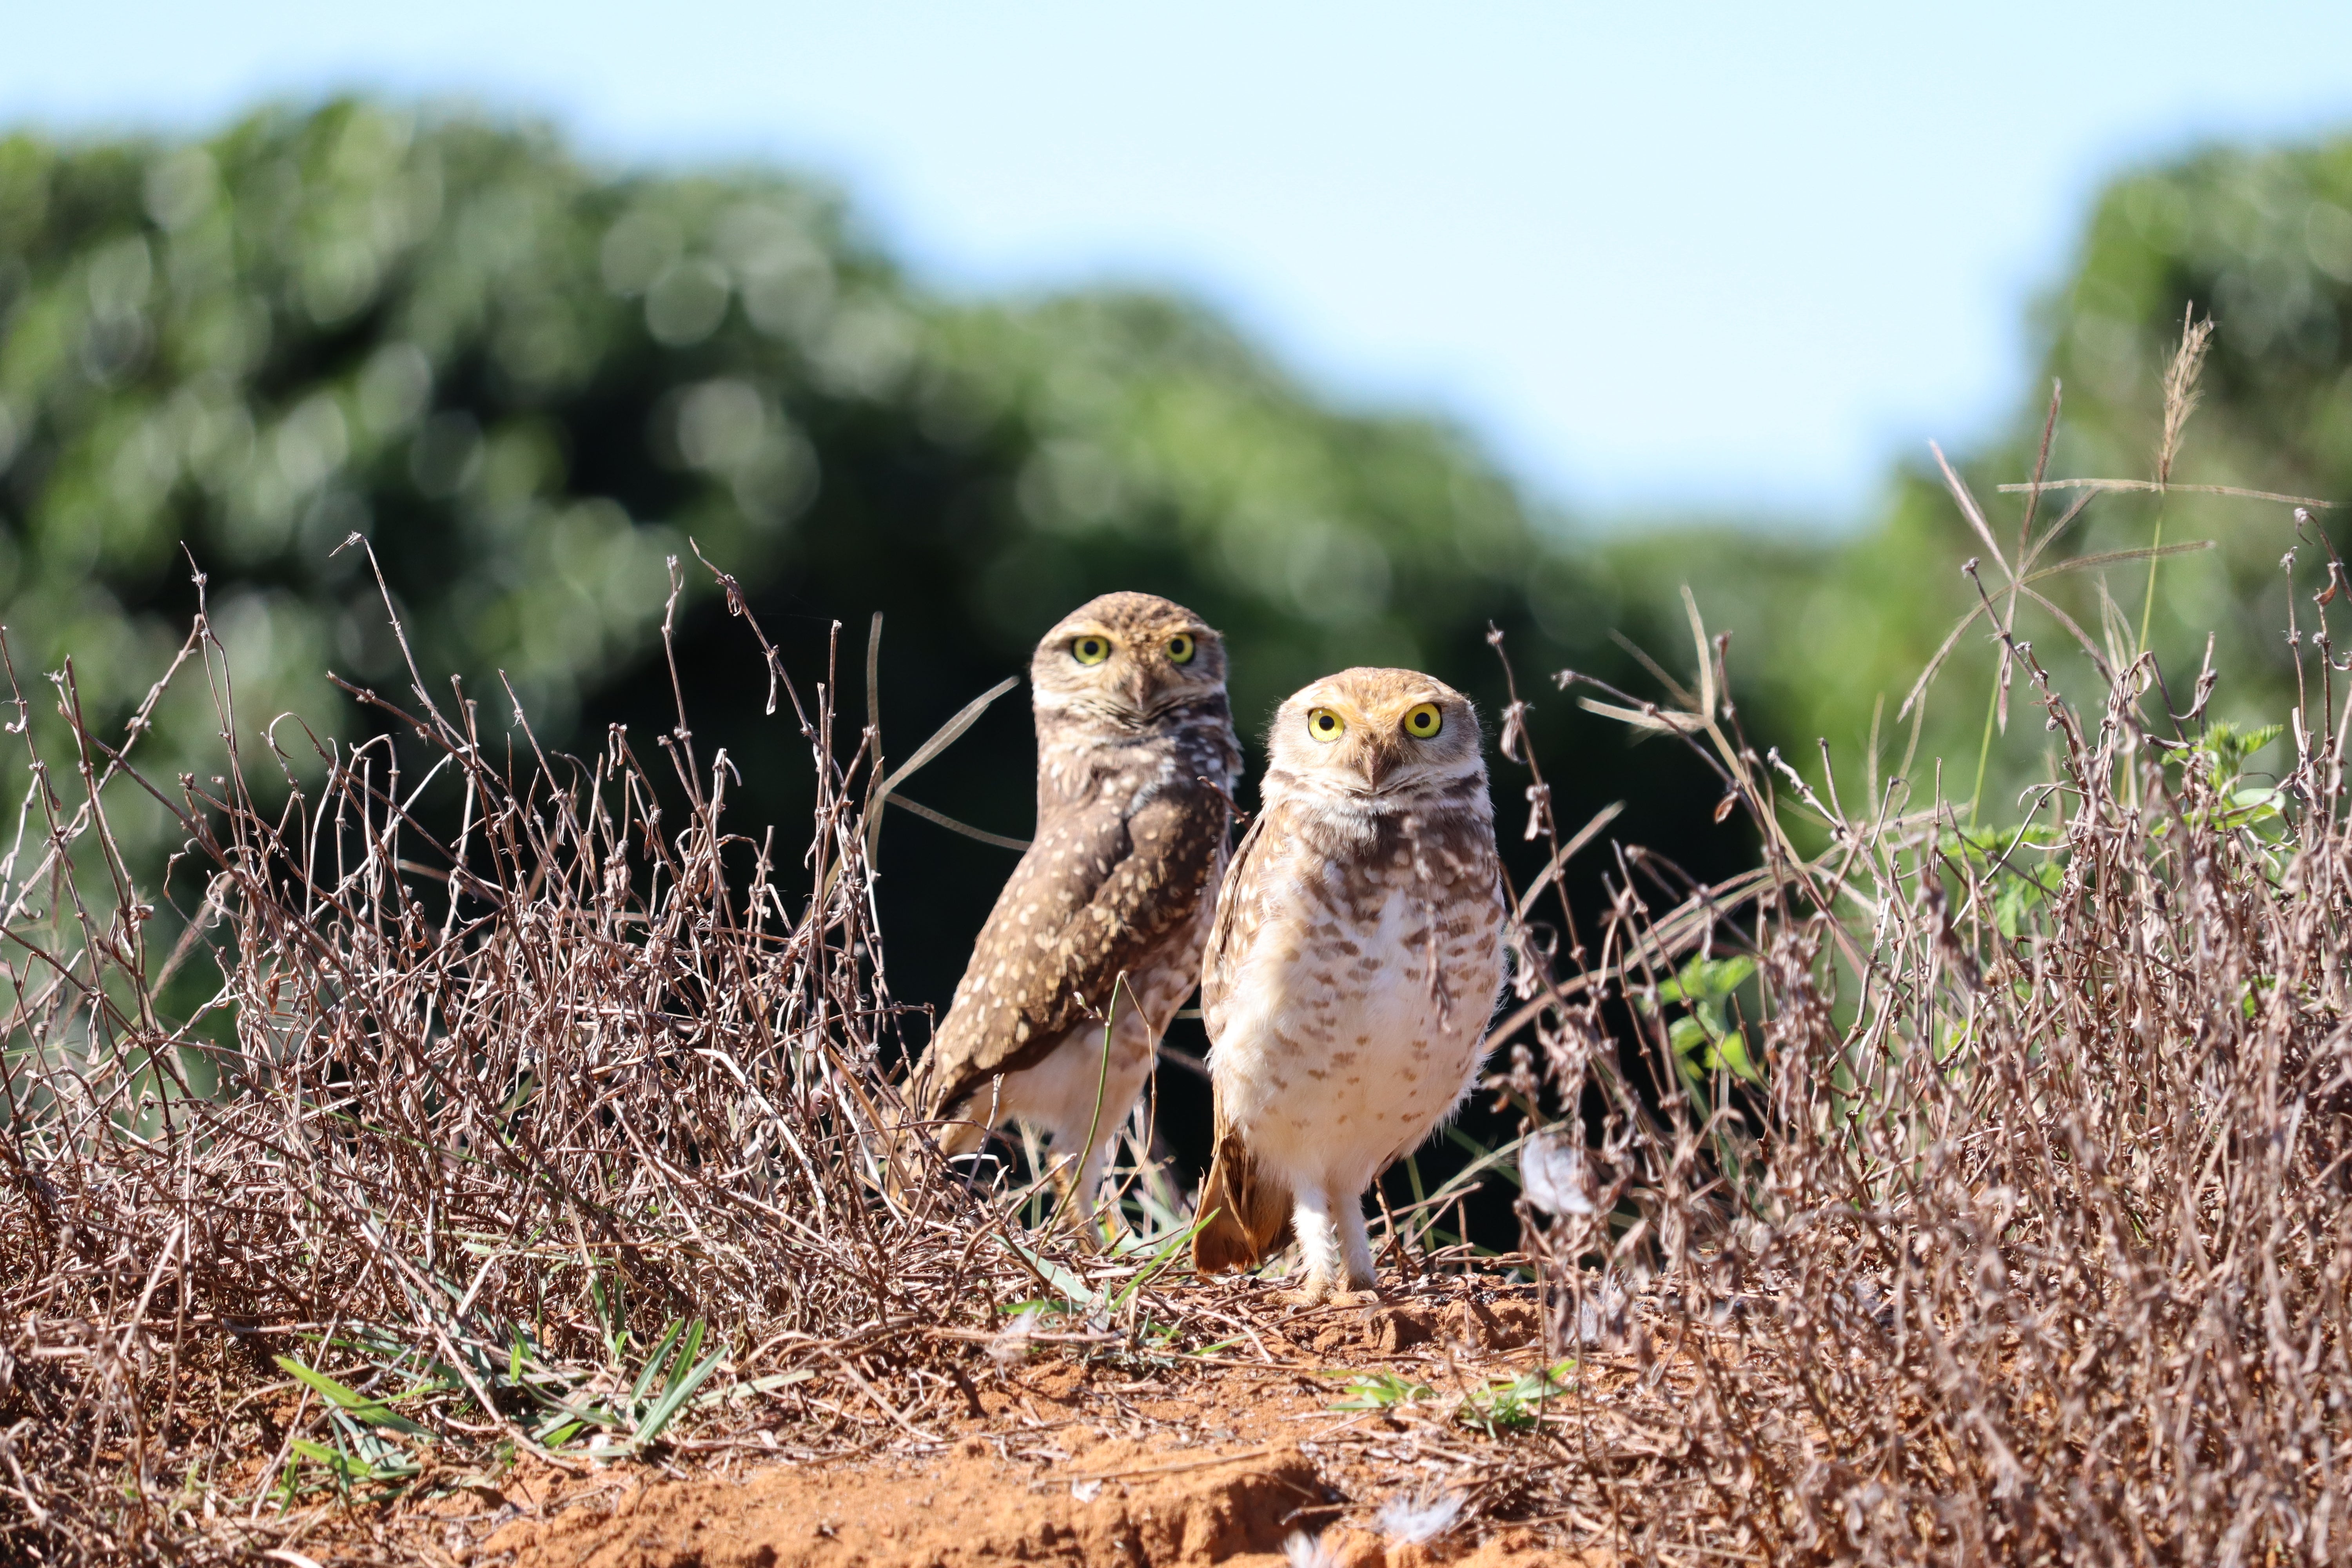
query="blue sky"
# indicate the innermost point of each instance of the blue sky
(1733, 258)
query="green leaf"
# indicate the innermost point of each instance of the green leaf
(1485, 1158)
(2251, 1001)
(754, 1387)
(2015, 901)
(1730, 1055)
(1707, 979)
(1382, 1391)
(1077, 1289)
(611, 1310)
(1166, 1253)
(2226, 749)
(350, 1471)
(1513, 1404)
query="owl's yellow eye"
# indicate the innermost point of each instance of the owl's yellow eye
(1090, 650)
(1424, 722)
(1180, 650)
(1325, 725)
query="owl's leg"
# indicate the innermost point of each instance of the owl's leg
(1121, 1089)
(1319, 1246)
(1357, 1243)
(1083, 1125)
(1337, 1248)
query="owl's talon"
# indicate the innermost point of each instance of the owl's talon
(1324, 1293)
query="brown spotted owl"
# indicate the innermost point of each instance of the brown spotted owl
(1352, 970)
(1136, 764)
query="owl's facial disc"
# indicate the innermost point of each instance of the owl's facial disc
(1377, 733)
(1126, 658)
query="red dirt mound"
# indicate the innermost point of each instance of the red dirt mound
(969, 1507)
(1076, 1461)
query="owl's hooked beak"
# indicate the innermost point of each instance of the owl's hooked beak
(1138, 691)
(1382, 757)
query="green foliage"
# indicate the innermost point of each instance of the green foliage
(1704, 1039)
(526, 382)
(1502, 1407)
(2223, 750)
(364, 1410)
(359, 1453)
(1495, 1407)
(365, 1450)
(2221, 753)
(2022, 889)
(1382, 1391)
(2022, 864)
(1826, 635)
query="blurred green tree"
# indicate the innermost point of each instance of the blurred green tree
(527, 383)
(2258, 241)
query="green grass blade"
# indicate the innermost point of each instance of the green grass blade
(374, 1411)
(1501, 1160)
(1077, 1289)
(679, 1392)
(657, 1363)
(1161, 1257)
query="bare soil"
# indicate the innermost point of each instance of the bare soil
(1061, 1457)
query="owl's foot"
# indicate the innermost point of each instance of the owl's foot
(1315, 1292)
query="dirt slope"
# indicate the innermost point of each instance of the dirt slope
(1060, 1460)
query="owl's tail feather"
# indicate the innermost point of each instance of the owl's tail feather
(1248, 1208)
(902, 1168)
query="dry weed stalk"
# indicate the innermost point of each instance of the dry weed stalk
(1971, 1195)
(558, 1133)
(2001, 1215)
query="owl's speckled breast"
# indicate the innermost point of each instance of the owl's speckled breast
(1351, 1024)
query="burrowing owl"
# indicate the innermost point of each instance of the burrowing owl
(1135, 767)
(1352, 968)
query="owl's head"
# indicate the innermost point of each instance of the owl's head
(1128, 659)
(1373, 736)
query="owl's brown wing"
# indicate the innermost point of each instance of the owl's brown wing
(1095, 896)
(1238, 904)
(1245, 1209)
